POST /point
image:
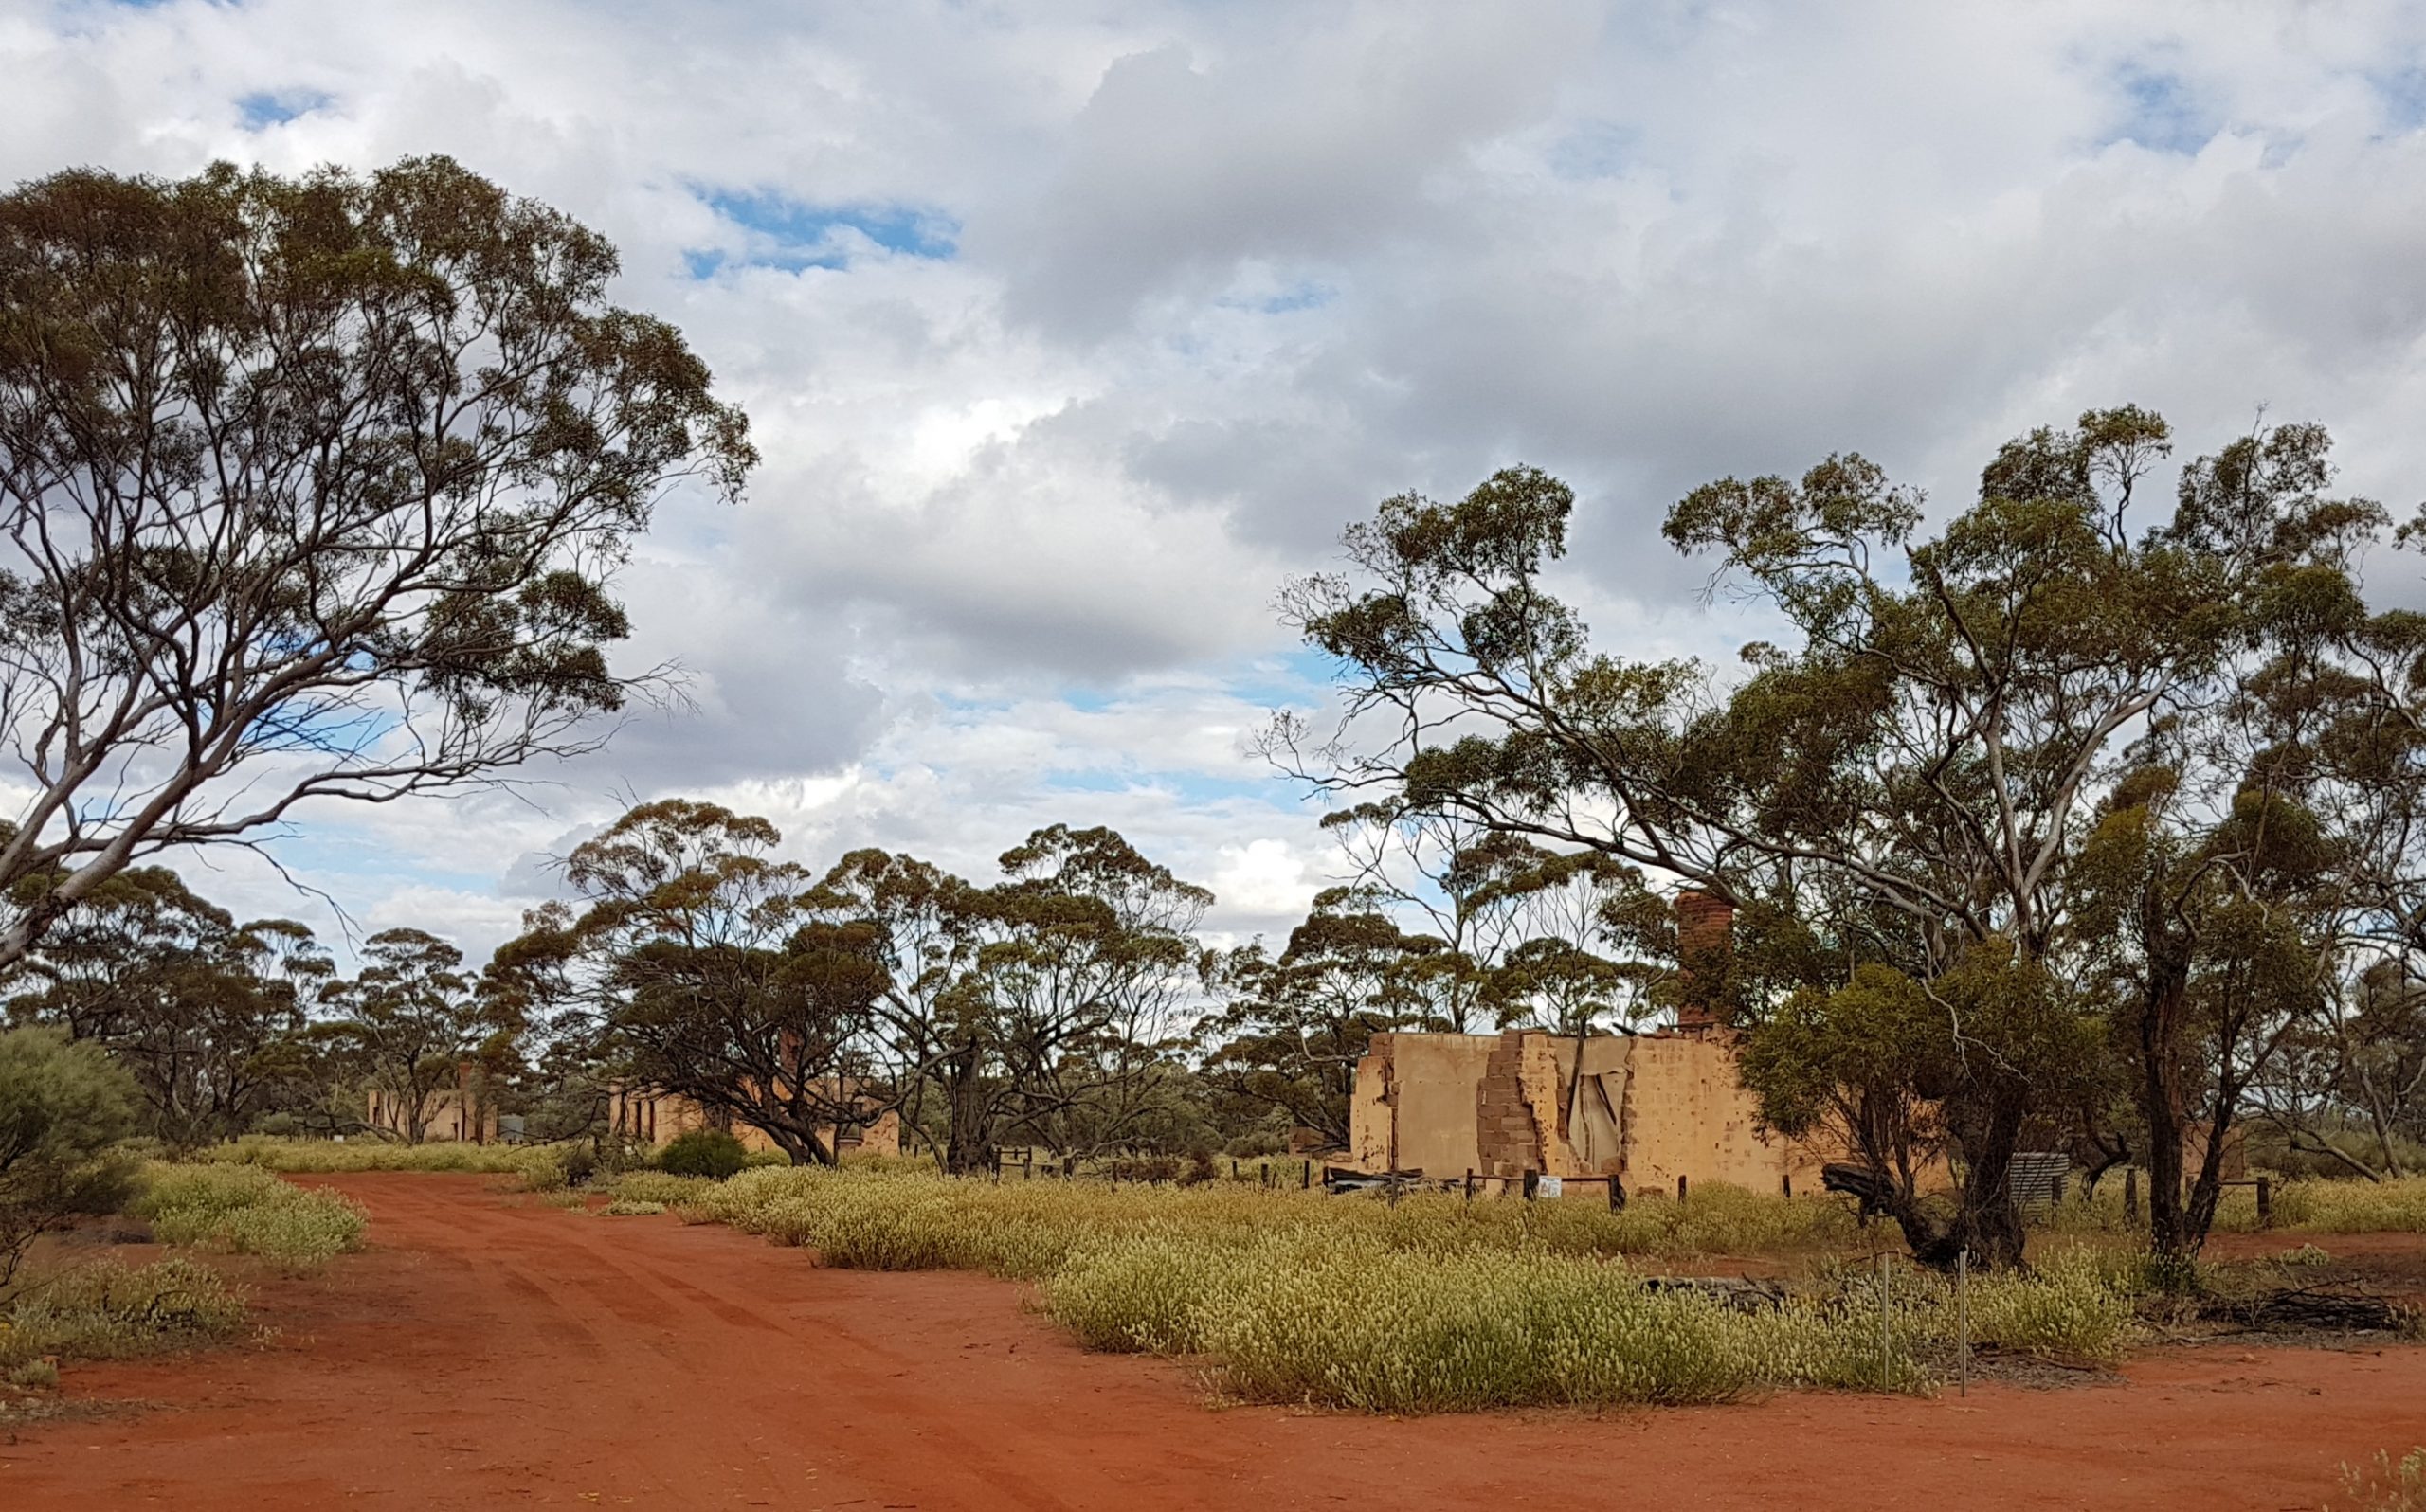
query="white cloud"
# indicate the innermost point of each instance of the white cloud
(1221, 276)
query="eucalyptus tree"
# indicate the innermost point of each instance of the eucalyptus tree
(203, 1011)
(1914, 775)
(408, 1023)
(309, 489)
(701, 964)
(1049, 1004)
(1293, 1025)
(1450, 876)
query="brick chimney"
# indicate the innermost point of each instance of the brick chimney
(1705, 937)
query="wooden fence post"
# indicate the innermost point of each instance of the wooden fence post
(2131, 1196)
(1680, 1189)
(1306, 1181)
(1532, 1183)
(2265, 1203)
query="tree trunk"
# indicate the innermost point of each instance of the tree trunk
(1985, 1223)
(2161, 1100)
(968, 1142)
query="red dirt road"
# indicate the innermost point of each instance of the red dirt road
(491, 1354)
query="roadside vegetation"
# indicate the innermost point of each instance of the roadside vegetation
(105, 1310)
(245, 1210)
(320, 1157)
(1432, 1304)
(2384, 1484)
(2396, 1205)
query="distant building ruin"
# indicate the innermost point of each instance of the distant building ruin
(448, 1114)
(1653, 1112)
(653, 1118)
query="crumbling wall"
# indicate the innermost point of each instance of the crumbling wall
(1646, 1109)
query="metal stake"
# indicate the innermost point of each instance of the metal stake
(1883, 1370)
(1963, 1323)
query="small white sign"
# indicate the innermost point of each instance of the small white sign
(1548, 1186)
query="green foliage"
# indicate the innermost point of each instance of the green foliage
(203, 1011)
(245, 1210)
(661, 1187)
(2067, 1306)
(173, 351)
(62, 1106)
(709, 1152)
(308, 1157)
(108, 1310)
(2310, 1206)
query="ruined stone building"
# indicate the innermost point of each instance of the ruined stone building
(1644, 1110)
(654, 1118)
(448, 1113)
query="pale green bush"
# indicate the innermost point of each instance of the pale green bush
(660, 1187)
(107, 1310)
(1429, 1304)
(539, 1164)
(2067, 1305)
(244, 1210)
(630, 1208)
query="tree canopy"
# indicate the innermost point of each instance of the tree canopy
(310, 488)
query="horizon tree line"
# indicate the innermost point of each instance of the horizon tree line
(2074, 817)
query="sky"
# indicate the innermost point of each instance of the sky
(1070, 331)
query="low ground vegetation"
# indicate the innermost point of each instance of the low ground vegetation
(2300, 1206)
(245, 1210)
(1433, 1304)
(108, 1310)
(310, 1157)
(2384, 1484)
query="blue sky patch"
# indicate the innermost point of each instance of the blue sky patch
(794, 234)
(264, 109)
(2165, 113)
(2403, 93)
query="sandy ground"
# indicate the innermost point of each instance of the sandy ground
(493, 1353)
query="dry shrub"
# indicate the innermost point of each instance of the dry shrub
(108, 1310)
(326, 1157)
(244, 1210)
(2384, 1484)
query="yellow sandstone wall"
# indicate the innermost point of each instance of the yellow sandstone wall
(1647, 1109)
(656, 1118)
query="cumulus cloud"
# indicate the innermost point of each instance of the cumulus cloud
(1070, 330)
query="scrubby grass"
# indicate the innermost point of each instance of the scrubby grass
(245, 1210)
(2308, 1206)
(327, 1157)
(630, 1208)
(660, 1187)
(108, 1310)
(2072, 1305)
(875, 1220)
(2384, 1484)
(1297, 1316)
(1430, 1304)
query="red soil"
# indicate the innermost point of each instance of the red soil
(489, 1352)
